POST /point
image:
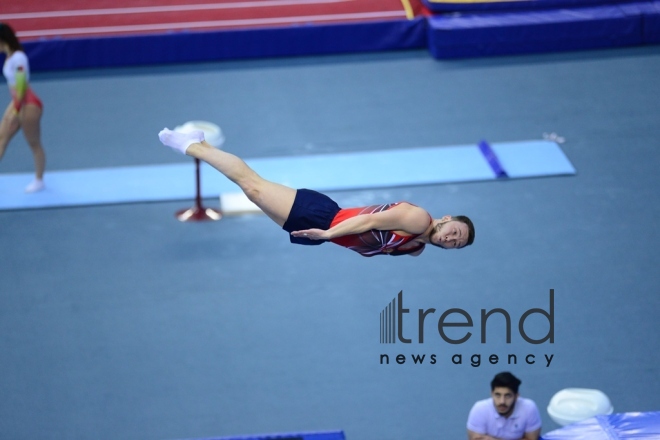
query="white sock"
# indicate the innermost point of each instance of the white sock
(35, 186)
(180, 141)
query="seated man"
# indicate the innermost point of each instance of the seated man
(506, 415)
(313, 218)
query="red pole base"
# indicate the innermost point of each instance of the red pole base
(198, 214)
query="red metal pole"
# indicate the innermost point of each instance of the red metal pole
(198, 212)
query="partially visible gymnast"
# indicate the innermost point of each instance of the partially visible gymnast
(313, 218)
(25, 109)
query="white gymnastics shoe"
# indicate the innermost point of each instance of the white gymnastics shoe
(180, 141)
(35, 186)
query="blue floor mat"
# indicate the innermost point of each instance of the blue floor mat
(363, 170)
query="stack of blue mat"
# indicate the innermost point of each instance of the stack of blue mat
(503, 28)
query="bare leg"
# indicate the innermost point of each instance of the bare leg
(8, 128)
(30, 122)
(272, 198)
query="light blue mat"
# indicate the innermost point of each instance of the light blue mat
(373, 169)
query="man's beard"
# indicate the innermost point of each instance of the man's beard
(436, 230)
(508, 411)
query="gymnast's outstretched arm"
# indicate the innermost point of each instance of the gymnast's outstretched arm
(404, 217)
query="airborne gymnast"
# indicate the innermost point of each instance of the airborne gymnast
(312, 218)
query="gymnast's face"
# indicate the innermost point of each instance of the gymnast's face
(449, 234)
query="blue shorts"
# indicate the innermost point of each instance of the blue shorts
(310, 209)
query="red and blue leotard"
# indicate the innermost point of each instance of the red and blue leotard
(374, 242)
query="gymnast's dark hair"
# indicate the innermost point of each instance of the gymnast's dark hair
(7, 35)
(506, 380)
(468, 222)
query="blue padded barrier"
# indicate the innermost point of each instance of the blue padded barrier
(650, 15)
(442, 6)
(178, 47)
(509, 33)
(652, 24)
(624, 426)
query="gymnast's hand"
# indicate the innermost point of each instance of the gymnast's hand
(312, 234)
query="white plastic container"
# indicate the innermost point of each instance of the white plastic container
(572, 405)
(212, 132)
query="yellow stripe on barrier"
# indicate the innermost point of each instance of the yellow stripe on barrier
(410, 14)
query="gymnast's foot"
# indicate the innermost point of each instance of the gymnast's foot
(180, 141)
(35, 186)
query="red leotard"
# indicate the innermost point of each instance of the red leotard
(373, 242)
(29, 98)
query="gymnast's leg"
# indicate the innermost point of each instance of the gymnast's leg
(30, 122)
(273, 199)
(9, 126)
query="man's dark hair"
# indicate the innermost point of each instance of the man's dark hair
(506, 380)
(8, 36)
(470, 225)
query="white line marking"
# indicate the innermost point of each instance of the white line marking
(156, 9)
(209, 24)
